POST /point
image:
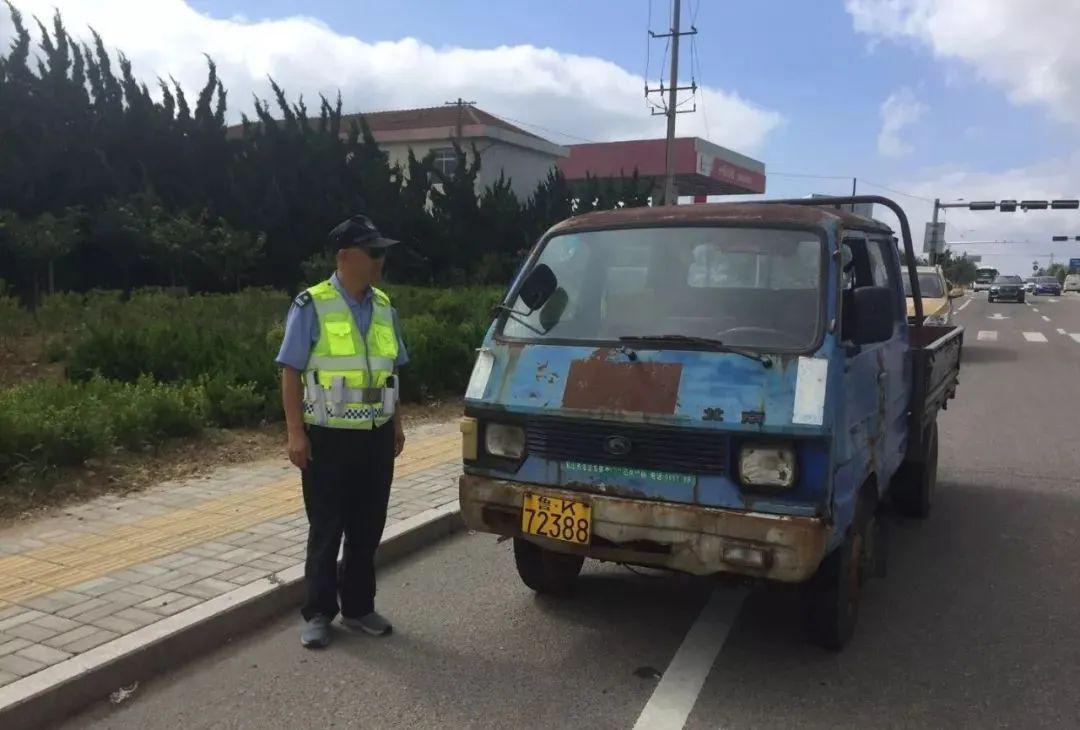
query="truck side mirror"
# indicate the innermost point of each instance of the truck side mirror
(538, 287)
(874, 315)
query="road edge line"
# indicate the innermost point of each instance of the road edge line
(57, 692)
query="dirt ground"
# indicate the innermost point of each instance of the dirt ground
(33, 496)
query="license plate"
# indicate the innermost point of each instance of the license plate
(555, 518)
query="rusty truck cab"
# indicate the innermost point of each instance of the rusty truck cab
(668, 387)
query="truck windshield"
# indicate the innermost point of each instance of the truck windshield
(752, 288)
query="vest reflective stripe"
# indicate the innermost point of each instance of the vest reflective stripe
(357, 362)
(345, 380)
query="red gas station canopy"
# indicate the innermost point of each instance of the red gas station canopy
(701, 167)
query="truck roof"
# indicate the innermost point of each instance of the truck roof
(719, 213)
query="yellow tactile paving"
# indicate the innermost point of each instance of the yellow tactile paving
(85, 557)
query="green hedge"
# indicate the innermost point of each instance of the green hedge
(161, 365)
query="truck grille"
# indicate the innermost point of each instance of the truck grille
(649, 447)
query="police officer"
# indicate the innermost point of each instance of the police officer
(339, 388)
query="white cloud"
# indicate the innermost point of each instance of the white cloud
(585, 96)
(1027, 48)
(901, 109)
(1029, 234)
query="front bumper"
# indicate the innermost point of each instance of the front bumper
(1014, 294)
(686, 538)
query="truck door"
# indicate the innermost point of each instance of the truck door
(865, 374)
(885, 270)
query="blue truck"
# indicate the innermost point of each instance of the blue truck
(728, 389)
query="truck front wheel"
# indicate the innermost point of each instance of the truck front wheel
(546, 571)
(914, 483)
(832, 595)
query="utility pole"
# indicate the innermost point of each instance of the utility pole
(670, 198)
(933, 252)
(460, 104)
(672, 102)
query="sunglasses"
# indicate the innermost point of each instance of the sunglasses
(377, 254)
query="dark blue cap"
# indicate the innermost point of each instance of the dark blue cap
(358, 231)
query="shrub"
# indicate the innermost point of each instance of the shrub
(234, 404)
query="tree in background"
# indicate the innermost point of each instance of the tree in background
(168, 193)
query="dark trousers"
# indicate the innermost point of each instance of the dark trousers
(346, 491)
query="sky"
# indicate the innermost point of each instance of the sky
(916, 99)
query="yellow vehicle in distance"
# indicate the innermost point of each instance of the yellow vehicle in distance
(936, 296)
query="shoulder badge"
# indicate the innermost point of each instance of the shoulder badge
(302, 299)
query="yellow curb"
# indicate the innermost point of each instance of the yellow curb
(83, 558)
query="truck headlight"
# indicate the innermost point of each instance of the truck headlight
(767, 465)
(504, 440)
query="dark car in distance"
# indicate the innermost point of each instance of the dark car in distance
(1007, 288)
(1048, 285)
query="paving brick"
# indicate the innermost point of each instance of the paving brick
(30, 632)
(22, 617)
(175, 580)
(44, 654)
(169, 603)
(54, 623)
(207, 588)
(174, 561)
(7, 678)
(99, 637)
(81, 608)
(19, 666)
(55, 601)
(272, 562)
(243, 574)
(146, 591)
(241, 556)
(117, 624)
(10, 645)
(207, 567)
(62, 641)
(138, 616)
(271, 544)
(98, 586)
(10, 611)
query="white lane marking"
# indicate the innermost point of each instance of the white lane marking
(1060, 331)
(1075, 337)
(1035, 337)
(1045, 318)
(1034, 309)
(998, 315)
(676, 694)
(988, 335)
(964, 305)
(810, 391)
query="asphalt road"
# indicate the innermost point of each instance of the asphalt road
(976, 625)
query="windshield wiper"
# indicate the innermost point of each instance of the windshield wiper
(703, 341)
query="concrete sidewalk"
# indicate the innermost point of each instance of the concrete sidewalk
(111, 567)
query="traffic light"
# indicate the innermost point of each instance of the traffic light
(1064, 204)
(982, 205)
(1007, 206)
(1033, 204)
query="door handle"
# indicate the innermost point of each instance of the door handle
(881, 376)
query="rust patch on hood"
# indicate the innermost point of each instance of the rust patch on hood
(598, 383)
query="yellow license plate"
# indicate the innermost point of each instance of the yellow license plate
(558, 519)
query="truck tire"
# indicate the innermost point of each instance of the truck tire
(832, 595)
(914, 483)
(546, 571)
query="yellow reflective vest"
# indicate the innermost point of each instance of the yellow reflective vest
(348, 380)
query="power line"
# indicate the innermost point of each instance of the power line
(543, 128)
(894, 190)
(695, 71)
(800, 174)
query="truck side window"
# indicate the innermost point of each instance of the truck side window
(857, 273)
(886, 271)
